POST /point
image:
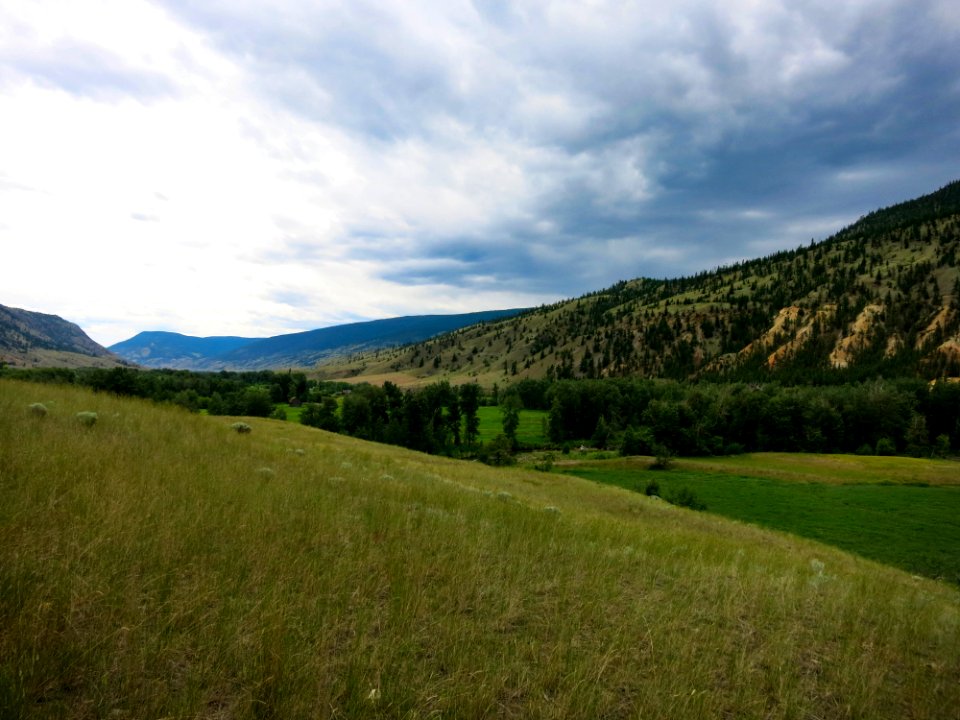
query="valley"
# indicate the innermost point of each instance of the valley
(157, 563)
(468, 524)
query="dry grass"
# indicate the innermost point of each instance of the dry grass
(806, 467)
(160, 565)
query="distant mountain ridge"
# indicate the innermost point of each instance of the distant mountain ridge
(34, 339)
(302, 349)
(161, 349)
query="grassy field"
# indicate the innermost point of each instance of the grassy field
(293, 413)
(844, 469)
(159, 564)
(901, 511)
(530, 430)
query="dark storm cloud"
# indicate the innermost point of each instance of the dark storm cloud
(651, 141)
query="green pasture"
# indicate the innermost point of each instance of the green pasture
(845, 469)
(903, 512)
(293, 413)
(529, 432)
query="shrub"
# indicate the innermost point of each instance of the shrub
(886, 446)
(662, 459)
(241, 427)
(38, 409)
(498, 451)
(685, 497)
(865, 449)
(653, 488)
(87, 418)
(279, 413)
(545, 464)
(941, 446)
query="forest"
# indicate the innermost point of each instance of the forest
(882, 416)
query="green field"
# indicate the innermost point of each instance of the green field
(293, 413)
(529, 432)
(158, 564)
(900, 511)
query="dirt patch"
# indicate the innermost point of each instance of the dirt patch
(848, 346)
(783, 326)
(939, 322)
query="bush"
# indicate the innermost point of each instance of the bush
(734, 448)
(38, 409)
(87, 418)
(653, 488)
(545, 464)
(685, 497)
(279, 413)
(886, 446)
(865, 449)
(663, 458)
(941, 446)
(241, 427)
(498, 451)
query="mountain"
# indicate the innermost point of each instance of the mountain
(303, 349)
(157, 349)
(881, 296)
(32, 339)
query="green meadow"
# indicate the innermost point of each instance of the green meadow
(529, 431)
(901, 511)
(158, 564)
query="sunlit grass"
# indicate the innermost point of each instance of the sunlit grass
(150, 567)
(832, 468)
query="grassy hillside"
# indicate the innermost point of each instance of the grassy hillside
(32, 339)
(159, 564)
(880, 296)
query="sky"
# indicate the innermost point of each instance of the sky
(234, 167)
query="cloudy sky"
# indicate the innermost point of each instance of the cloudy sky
(253, 168)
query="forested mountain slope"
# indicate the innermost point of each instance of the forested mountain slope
(300, 350)
(880, 296)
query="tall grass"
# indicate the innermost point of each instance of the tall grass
(158, 564)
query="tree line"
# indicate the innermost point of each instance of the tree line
(633, 416)
(879, 416)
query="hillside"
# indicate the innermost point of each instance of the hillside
(156, 563)
(293, 350)
(32, 339)
(879, 296)
(157, 349)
